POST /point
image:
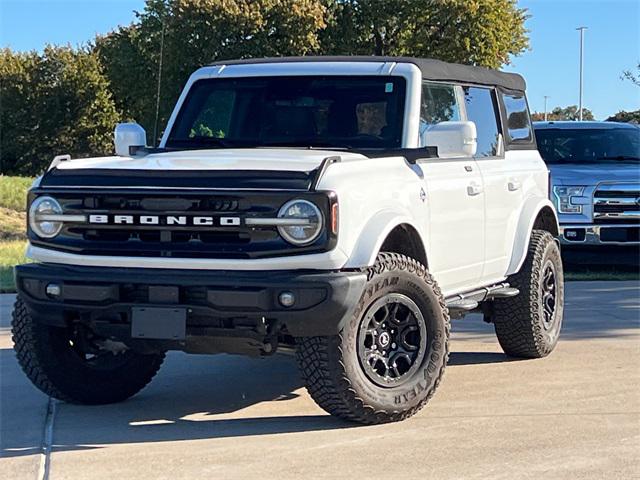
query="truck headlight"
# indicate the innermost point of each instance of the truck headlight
(302, 222)
(564, 195)
(42, 217)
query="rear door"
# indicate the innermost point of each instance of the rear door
(504, 176)
(454, 197)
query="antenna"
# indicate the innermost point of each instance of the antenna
(155, 123)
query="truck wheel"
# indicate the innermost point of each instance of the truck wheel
(390, 356)
(528, 325)
(71, 365)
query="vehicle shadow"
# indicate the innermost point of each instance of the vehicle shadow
(190, 399)
(478, 358)
(193, 397)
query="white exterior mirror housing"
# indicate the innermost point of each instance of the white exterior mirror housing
(453, 139)
(128, 135)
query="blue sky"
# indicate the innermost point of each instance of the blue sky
(612, 43)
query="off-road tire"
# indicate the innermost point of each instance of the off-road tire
(331, 367)
(519, 321)
(44, 354)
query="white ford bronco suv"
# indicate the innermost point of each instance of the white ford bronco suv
(344, 208)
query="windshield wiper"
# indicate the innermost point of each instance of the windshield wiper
(194, 143)
(306, 143)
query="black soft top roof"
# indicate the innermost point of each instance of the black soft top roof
(431, 69)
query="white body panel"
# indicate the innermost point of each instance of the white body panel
(456, 220)
(508, 183)
(297, 160)
(473, 222)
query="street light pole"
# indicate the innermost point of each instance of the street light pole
(545, 107)
(581, 29)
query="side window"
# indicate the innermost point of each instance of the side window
(481, 110)
(439, 104)
(518, 122)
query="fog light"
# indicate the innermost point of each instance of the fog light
(287, 299)
(575, 234)
(53, 290)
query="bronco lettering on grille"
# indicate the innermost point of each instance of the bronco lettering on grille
(197, 221)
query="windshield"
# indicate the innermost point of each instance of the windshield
(589, 145)
(318, 111)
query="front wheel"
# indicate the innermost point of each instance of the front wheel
(73, 365)
(390, 356)
(528, 325)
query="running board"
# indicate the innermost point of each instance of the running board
(463, 303)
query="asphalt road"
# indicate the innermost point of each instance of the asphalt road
(574, 415)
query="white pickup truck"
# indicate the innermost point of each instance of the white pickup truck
(344, 208)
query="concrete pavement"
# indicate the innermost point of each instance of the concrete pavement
(575, 414)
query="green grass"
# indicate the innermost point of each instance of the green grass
(13, 225)
(11, 254)
(13, 192)
(13, 200)
(604, 273)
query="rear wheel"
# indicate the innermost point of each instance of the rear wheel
(390, 356)
(73, 365)
(528, 325)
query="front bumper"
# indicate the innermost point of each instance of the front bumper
(213, 299)
(602, 234)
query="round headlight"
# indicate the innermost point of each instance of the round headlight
(310, 222)
(40, 209)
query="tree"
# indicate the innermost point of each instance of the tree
(477, 32)
(196, 33)
(17, 106)
(625, 117)
(631, 76)
(566, 113)
(55, 103)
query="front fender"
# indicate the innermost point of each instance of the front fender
(530, 210)
(374, 234)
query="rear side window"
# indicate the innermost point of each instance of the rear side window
(518, 121)
(481, 111)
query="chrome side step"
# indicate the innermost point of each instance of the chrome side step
(463, 303)
(506, 292)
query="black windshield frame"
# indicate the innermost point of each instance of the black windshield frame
(588, 145)
(334, 111)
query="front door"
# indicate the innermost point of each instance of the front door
(455, 199)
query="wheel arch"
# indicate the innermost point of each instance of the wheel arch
(391, 232)
(536, 214)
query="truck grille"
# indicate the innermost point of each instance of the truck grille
(617, 203)
(239, 241)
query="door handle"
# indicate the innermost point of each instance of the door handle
(514, 185)
(474, 189)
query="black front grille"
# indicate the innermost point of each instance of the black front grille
(616, 193)
(177, 240)
(615, 208)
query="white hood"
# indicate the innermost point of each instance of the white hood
(282, 159)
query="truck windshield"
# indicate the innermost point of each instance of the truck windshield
(593, 145)
(297, 111)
